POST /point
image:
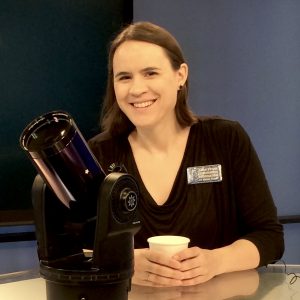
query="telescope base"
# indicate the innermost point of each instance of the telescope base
(86, 291)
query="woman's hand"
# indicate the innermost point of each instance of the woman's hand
(156, 269)
(197, 265)
(193, 265)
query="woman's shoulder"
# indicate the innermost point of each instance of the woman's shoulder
(217, 128)
(105, 138)
(105, 143)
(101, 137)
(108, 150)
(217, 123)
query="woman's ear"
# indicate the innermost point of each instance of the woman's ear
(182, 74)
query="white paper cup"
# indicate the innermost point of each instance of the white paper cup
(168, 244)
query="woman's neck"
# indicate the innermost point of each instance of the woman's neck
(159, 139)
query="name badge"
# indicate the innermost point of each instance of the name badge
(204, 174)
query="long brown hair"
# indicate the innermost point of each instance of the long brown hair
(113, 120)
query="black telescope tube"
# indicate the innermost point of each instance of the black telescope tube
(62, 157)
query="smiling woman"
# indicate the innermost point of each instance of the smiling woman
(113, 120)
(199, 177)
(148, 92)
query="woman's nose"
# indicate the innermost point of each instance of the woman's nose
(138, 86)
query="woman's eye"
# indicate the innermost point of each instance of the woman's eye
(151, 73)
(124, 77)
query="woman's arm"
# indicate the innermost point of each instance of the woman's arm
(199, 265)
(240, 255)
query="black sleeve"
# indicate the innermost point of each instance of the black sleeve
(258, 213)
(110, 152)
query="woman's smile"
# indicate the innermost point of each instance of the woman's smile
(143, 104)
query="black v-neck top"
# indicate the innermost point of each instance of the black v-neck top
(212, 213)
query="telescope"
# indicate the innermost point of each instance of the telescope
(77, 206)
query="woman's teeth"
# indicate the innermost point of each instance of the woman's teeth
(143, 104)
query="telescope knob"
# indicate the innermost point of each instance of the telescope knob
(129, 199)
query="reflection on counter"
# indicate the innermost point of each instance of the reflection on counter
(251, 284)
(223, 286)
(271, 283)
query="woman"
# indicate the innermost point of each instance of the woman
(198, 177)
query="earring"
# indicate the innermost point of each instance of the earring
(180, 88)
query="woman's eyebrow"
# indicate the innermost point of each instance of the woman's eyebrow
(147, 69)
(122, 73)
(150, 69)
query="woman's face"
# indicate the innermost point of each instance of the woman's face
(145, 83)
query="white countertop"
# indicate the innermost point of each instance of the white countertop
(264, 285)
